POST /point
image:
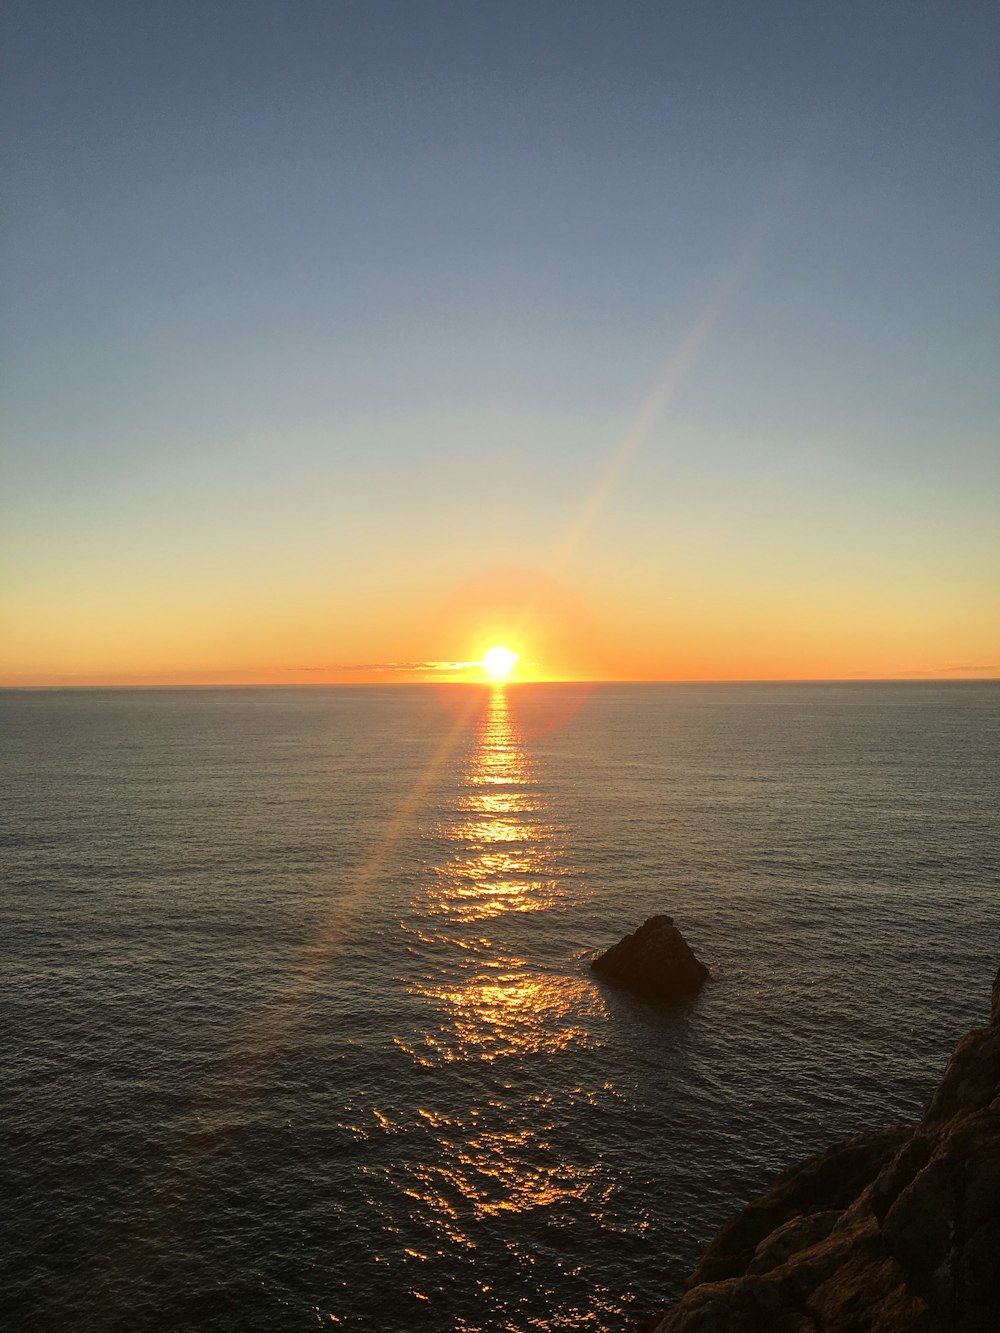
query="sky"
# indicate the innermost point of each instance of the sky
(653, 340)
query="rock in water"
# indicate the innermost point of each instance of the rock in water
(655, 961)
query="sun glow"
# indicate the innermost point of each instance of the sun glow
(498, 662)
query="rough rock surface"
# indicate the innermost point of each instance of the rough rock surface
(655, 961)
(891, 1231)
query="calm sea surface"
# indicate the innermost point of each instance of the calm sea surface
(298, 1028)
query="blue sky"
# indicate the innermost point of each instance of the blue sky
(313, 307)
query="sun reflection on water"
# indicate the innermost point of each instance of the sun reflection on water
(508, 1015)
(498, 994)
(505, 856)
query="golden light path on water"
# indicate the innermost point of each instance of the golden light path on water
(484, 1006)
(505, 859)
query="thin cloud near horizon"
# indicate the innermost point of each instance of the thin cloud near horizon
(393, 666)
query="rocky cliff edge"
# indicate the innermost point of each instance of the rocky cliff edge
(889, 1231)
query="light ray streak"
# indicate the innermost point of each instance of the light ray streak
(202, 1131)
(649, 413)
(678, 366)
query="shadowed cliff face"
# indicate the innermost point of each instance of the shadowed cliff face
(893, 1230)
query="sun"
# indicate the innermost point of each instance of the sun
(499, 661)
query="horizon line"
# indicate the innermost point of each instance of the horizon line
(924, 679)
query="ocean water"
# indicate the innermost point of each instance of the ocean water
(298, 1026)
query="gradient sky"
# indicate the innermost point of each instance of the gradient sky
(339, 333)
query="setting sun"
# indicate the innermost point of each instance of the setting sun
(499, 662)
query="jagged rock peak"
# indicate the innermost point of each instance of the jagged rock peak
(655, 961)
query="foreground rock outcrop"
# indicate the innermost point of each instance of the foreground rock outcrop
(655, 961)
(890, 1231)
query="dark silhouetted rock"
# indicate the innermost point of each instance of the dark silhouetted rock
(655, 961)
(830, 1181)
(891, 1232)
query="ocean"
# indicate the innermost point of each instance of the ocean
(299, 1029)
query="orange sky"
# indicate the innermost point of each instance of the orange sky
(835, 633)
